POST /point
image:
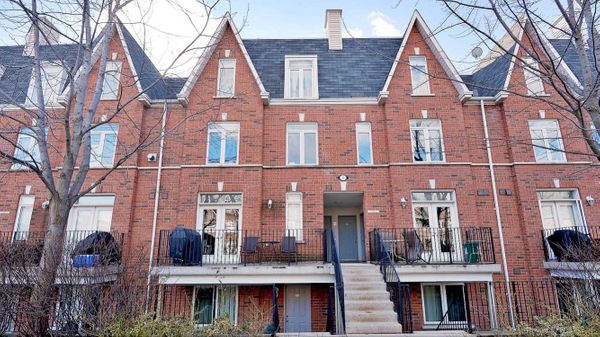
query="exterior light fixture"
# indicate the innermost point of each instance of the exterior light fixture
(270, 204)
(590, 200)
(403, 202)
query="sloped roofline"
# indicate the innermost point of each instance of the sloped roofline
(417, 19)
(183, 95)
(134, 72)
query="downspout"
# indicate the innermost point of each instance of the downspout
(156, 198)
(498, 218)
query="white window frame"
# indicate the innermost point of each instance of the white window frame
(111, 66)
(95, 201)
(26, 201)
(225, 63)
(426, 130)
(362, 128)
(533, 80)
(216, 302)
(431, 204)
(315, 73)
(576, 199)
(545, 130)
(444, 300)
(223, 128)
(299, 229)
(416, 91)
(307, 127)
(95, 158)
(50, 94)
(29, 151)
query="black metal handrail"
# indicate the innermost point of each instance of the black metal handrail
(248, 246)
(446, 324)
(461, 245)
(399, 293)
(339, 279)
(578, 244)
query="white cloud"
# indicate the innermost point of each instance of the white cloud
(353, 32)
(381, 25)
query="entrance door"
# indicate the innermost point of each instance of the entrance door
(348, 238)
(297, 308)
(220, 228)
(436, 225)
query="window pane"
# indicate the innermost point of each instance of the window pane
(444, 217)
(96, 149)
(110, 87)
(422, 217)
(432, 299)
(301, 64)
(203, 306)
(294, 148)
(310, 148)
(294, 83)
(539, 148)
(364, 148)
(456, 303)
(420, 78)
(108, 151)
(435, 141)
(231, 148)
(419, 152)
(214, 147)
(227, 302)
(307, 83)
(226, 82)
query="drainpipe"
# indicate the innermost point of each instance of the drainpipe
(156, 198)
(498, 218)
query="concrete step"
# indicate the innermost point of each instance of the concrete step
(369, 305)
(366, 296)
(359, 287)
(362, 278)
(374, 316)
(369, 328)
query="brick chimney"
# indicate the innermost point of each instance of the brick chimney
(48, 35)
(333, 27)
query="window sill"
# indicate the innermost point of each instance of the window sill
(109, 98)
(430, 162)
(422, 95)
(538, 95)
(224, 97)
(302, 165)
(551, 161)
(301, 98)
(221, 165)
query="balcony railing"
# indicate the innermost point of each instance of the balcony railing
(469, 245)
(572, 244)
(231, 247)
(80, 248)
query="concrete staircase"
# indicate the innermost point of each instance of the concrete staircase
(368, 306)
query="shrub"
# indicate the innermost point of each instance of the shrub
(561, 327)
(147, 326)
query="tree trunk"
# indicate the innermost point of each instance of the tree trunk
(43, 291)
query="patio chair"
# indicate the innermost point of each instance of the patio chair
(250, 247)
(414, 247)
(288, 247)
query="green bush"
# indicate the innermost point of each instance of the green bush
(561, 327)
(147, 326)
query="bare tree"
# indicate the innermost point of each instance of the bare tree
(522, 30)
(61, 159)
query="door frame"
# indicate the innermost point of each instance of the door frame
(444, 301)
(334, 213)
(357, 232)
(285, 298)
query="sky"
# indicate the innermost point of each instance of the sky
(165, 27)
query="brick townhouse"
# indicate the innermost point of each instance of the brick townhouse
(297, 162)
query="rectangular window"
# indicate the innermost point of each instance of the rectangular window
(426, 137)
(104, 144)
(52, 81)
(214, 301)
(547, 141)
(92, 213)
(301, 80)
(293, 214)
(560, 209)
(302, 144)
(223, 143)
(444, 303)
(363, 143)
(533, 80)
(226, 78)
(112, 77)
(27, 149)
(23, 219)
(419, 75)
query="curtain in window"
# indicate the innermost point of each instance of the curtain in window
(203, 306)
(432, 300)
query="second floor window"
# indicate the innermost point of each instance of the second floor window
(301, 77)
(27, 149)
(52, 81)
(363, 143)
(426, 137)
(112, 78)
(226, 78)
(546, 139)
(223, 139)
(419, 75)
(104, 144)
(302, 144)
(533, 80)
(293, 214)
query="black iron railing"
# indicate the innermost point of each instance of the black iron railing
(468, 245)
(339, 280)
(399, 293)
(572, 244)
(230, 247)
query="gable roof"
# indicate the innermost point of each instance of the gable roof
(358, 70)
(490, 80)
(568, 51)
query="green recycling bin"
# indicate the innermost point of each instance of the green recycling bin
(472, 254)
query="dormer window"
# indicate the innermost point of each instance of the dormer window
(419, 75)
(226, 78)
(112, 78)
(52, 80)
(301, 81)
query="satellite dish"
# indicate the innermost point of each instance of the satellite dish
(477, 52)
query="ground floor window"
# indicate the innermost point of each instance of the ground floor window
(211, 302)
(75, 306)
(444, 303)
